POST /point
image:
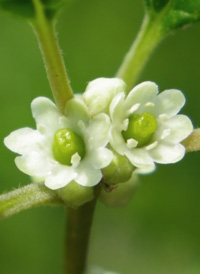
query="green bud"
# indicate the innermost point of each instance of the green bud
(66, 144)
(118, 171)
(121, 194)
(141, 128)
(75, 195)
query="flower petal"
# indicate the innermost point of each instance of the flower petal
(117, 113)
(139, 157)
(100, 92)
(142, 94)
(87, 175)
(98, 130)
(76, 110)
(46, 115)
(101, 158)
(34, 164)
(169, 102)
(60, 176)
(23, 140)
(166, 153)
(117, 141)
(180, 128)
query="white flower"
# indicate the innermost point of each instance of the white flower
(146, 127)
(39, 151)
(100, 92)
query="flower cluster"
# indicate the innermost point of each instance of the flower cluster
(105, 134)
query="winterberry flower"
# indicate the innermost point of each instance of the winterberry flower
(63, 148)
(146, 127)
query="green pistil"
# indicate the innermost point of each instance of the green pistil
(141, 128)
(66, 144)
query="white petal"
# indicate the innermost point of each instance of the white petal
(142, 94)
(60, 176)
(117, 141)
(117, 111)
(34, 164)
(166, 153)
(76, 110)
(101, 158)
(98, 130)
(23, 140)
(139, 157)
(100, 92)
(87, 175)
(46, 115)
(145, 169)
(180, 127)
(169, 102)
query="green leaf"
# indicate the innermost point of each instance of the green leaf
(25, 8)
(173, 13)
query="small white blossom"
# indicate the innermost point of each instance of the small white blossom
(169, 128)
(100, 92)
(35, 146)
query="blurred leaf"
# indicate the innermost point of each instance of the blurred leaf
(174, 13)
(25, 8)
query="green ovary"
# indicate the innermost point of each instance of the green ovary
(141, 128)
(66, 144)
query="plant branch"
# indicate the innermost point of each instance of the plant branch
(140, 52)
(79, 223)
(27, 197)
(54, 64)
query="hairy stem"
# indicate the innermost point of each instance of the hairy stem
(54, 64)
(26, 197)
(140, 51)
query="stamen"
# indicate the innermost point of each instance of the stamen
(164, 117)
(150, 105)
(125, 124)
(131, 143)
(75, 160)
(133, 109)
(151, 146)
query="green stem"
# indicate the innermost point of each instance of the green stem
(140, 51)
(79, 223)
(26, 197)
(54, 64)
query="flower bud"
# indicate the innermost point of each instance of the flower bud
(100, 92)
(118, 171)
(121, 194)
(75, 195)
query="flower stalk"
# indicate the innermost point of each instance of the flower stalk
(54, 64)
(79, 223)
(27, 197)
(134, 61)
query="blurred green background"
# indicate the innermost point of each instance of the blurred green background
(159, 231)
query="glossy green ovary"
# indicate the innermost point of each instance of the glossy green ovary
(141, 128)
(66, 144)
